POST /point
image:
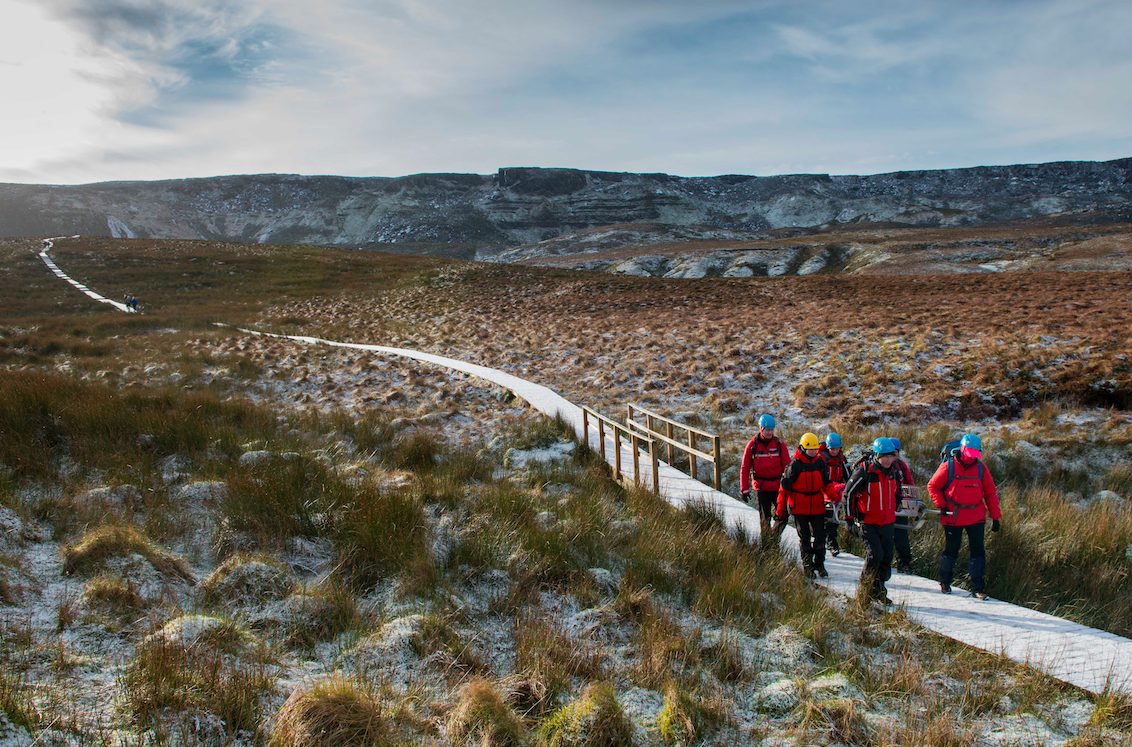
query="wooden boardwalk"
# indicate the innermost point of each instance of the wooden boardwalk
(1091, 659)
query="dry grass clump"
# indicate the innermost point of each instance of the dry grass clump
(244, 579)
(114, 597)
(687, 718)
(483, 717)
(595, 719)
(437, 634)
(16, 704)
(320, 613)
(547, 656)
(381, 534)
(337, 711)
(205, 674)
(839, 720)
(120, 540)
(47, 417)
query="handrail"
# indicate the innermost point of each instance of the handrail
(668, 437)
(635, 441)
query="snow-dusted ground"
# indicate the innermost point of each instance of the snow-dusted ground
(1088, 658)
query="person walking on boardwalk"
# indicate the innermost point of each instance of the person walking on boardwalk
(834, 457)
(804, 489)
(871, 497)
(902, 539)
(764, 460)
(963, 490)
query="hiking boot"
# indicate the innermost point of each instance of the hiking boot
(980, 595)
(945, 588)
(822, 572)
(903, 567)
(835, 551)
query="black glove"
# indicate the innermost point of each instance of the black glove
(995, 525)
(745, 495)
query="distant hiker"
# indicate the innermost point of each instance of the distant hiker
(871, 497)
(903, 536)
(764, 460)
(804, 489)
(133, 303)
(963, 490)
(834, 458)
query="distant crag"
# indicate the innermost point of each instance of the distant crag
(516, 207)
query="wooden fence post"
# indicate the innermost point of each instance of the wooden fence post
(692, 457)
(655, 466)
(585, 427)
(617, 453)
(715, 452)
(636, 458)
(671, 451)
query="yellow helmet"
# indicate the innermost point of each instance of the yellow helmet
(809, 441)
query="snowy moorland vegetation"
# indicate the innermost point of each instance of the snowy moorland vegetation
(207, 538)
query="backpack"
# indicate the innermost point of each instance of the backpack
(949, 450)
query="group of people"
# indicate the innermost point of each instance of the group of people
(131, 302)
(817, 485)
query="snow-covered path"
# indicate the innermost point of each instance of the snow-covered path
(1091, 659)
(48, 245)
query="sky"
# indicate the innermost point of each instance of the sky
(98, 90)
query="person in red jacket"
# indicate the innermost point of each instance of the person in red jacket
(764, 460)
(963, 490)
(804, 489)
(834, 457)
(902, 538)
(871, 495)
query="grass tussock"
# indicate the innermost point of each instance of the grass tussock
(546, 655)
(482, 716)
(321, 613)
(15, 700)
(50, 419)
(339, 711)
(200, 676)
(120, 540)
(594, 719)
(115, 598)
(437, 634)
(686, 717)
(244, 579)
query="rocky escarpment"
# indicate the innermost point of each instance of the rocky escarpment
(523, 206)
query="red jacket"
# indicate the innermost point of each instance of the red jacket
(838, 465)
(873, 493)
(971, 493)
(805, 487)
(764, 461)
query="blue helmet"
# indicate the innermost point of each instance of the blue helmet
(971, 441)
(895, 442)
(833, 441)
(766, 421)
(882, 446)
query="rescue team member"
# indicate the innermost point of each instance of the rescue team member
(834, 457)
(963, 490)
(903, 537)
(871, 497)
(764, 460)
(804, 489)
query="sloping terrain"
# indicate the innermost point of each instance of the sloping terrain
(488, 215)
(522, 593)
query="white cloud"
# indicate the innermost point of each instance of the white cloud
(402, 86)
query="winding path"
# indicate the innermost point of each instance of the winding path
(1088, 658)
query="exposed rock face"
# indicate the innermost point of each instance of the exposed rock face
(519, 206)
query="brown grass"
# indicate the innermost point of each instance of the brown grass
(118, 540)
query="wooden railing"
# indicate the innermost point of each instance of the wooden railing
(635, 439)
(668, 436)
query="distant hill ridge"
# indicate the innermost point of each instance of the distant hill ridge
(518, 206)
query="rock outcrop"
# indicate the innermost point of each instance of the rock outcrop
(470, 213)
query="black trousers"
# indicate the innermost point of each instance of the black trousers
(878, 557)
(976, 546)
(811, 540)
(768, 500)
(902, 538)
